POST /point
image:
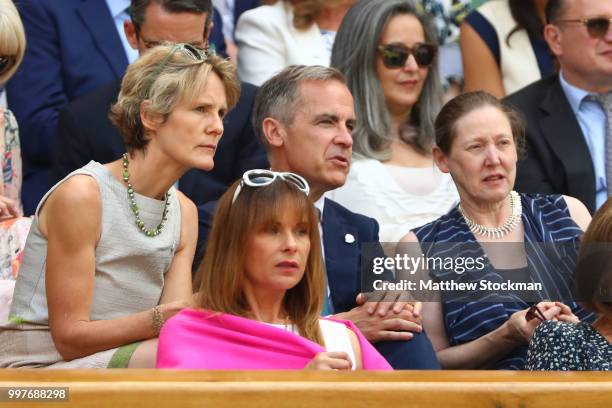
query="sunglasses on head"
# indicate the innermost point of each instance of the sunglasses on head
(187, 49)
(597, 27)
(262, 177)
(396, 55)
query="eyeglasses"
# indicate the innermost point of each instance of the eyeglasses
(5, 60)
(534, 313)
(262, 177)
(395, 55)
(597, 27)
(187, 49)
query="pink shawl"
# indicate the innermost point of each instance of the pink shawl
(201, 339)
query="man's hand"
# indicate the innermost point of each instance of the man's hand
(384, 303)
(391, 326)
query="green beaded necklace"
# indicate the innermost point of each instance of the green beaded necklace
(149, 232)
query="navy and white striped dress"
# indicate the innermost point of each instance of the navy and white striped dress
(546, 219)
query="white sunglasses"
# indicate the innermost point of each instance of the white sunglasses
(262, 177)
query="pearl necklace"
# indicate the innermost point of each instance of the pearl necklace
(505, 228)
(149, 232)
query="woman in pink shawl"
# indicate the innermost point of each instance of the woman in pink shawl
(262, 288)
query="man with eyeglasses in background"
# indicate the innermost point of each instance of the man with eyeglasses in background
(86, 133)
(569, 133)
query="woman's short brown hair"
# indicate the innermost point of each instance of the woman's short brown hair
(12, 39)
(446, 122)
(594, 268)
(166, 75)
(222, 273)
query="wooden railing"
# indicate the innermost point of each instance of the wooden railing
(163, 388)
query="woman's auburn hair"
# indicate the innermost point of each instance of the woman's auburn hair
(222, 273)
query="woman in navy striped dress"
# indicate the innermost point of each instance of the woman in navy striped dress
(478, 140)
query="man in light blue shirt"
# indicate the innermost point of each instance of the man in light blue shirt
(566, 123)
(592, 120)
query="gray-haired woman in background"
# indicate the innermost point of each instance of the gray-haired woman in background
(388, 53)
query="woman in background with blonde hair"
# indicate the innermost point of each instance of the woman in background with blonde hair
(13, 227)
(287, 32)
(12, 49)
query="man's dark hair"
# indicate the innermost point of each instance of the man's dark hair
(138, 8)
(554, 10)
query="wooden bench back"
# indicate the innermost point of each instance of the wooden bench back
(164, 388)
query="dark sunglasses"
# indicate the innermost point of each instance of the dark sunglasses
(534, 313)
(395, 55)
(597, 27)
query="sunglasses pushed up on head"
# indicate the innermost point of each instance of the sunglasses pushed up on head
(396, 55)
(197, 54)
(597, 27)
(262, 177)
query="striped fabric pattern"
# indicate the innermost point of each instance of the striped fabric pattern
(546, 219)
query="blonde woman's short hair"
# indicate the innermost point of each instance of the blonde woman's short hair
(12, 39)
(166, 75)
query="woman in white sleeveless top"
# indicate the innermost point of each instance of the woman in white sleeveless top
(388, 53)
(109, 255)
